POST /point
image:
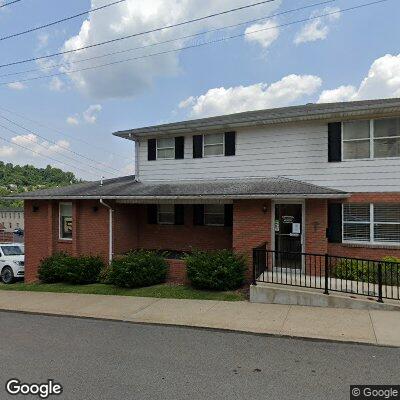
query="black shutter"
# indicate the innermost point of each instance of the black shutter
(230, 143)
(152, 214)
(198, 214)
(198, 146)
(228, 214)
(335, 142)
(179, 147)
(152, 149)
(334, 231)
(179, 214)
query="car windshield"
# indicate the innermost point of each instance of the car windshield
(12, 250)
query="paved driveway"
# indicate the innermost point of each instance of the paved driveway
(115, 360)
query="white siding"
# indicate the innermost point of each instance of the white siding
(296, 151)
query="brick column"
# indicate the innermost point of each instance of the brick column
(251, 227)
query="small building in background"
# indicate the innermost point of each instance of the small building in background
(11, 218)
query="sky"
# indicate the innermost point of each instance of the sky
(321, 53)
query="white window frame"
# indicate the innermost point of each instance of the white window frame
(165, 148)
(371, 224)
(208, 213)
(371, 141)
(60, 237)
(158, 215)
(215, 144)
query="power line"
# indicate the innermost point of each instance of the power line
(61, 147)
(9, 3)
(44, 156)
(170, 40)
(136, 34)
(193, 46)
(60, 20)
(48, 148)
(64, 134)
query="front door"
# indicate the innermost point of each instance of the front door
(288, 235)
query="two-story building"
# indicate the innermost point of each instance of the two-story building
(319, 178)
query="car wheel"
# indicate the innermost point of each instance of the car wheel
(7, 275)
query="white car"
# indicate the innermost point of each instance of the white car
(12, 262)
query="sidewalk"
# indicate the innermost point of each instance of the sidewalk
(361, 326)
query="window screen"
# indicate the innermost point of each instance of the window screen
(166, 214)
(214, 214)
(214, 144)
(166, 148)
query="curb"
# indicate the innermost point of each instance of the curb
(203, 328)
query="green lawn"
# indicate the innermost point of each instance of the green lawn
(159, 291)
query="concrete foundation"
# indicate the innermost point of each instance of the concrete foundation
(278, 294)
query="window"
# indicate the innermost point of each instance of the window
(214, 214)
(65, 220)
(213, 145)
(387, 138)
(356, 222)
(166, 148)
(374, 223)
(378, 138)
(166, 214)
(356, 140)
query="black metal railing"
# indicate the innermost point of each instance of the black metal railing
(372, 278)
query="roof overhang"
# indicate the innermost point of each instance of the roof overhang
(337, 111)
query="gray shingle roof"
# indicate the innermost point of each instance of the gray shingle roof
(127, 188)
(308, 112)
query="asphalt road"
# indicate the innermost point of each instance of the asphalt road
(115, 360)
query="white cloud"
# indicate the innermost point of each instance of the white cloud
(190, 101)
(43, 147)
(43, 40)
(90, 115)
(56, 84)
(382, 81)
(133, 16)
(73, 120)
(7, 151)
(264, 34)
(16, 86)
(222, 100)
(317, 29)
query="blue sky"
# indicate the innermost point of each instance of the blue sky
(345, 56)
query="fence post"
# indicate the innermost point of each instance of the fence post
(380, 291)
(326, 291)
(254, 267)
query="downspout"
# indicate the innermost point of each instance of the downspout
(110, 234)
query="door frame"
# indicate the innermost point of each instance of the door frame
(301, 202)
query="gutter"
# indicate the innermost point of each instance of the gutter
(110, 233)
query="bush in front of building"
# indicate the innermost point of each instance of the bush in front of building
(61, 267)
(138, 268)
(216, 270)
(364, 271)
(83, 270)
(52, 269)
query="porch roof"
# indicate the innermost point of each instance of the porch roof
(225, 190)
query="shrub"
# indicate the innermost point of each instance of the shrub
(83, 270)
(364, 271)
(216, 270)
(138, 269)
(52, 269)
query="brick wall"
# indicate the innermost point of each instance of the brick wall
(182, 237)
(177, 272)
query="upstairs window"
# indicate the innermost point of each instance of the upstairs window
(378, 138)
(166, 214)
(356, 140)
(65, 221)
(373, 223)
(166, 149)
(213, 145)
(387, 138)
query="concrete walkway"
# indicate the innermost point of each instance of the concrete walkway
(361, 326)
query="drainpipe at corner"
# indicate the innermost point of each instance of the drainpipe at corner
(110, 234)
